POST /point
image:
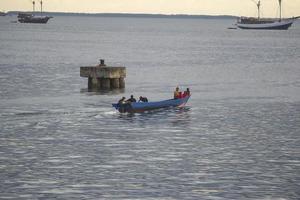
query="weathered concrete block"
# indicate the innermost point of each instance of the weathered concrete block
(105, 83)
(114, 83)
(104, 77)
(94, 83)
(122, 82)
(103, 72)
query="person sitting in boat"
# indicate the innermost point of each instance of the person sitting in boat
(122, 101)
(143, 99)
(177, 93)
(132, 99)
(187, 92)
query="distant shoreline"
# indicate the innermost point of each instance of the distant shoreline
(130, 15)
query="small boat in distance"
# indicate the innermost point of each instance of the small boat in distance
(31, 18)
(134, 107)
(264, 23)
(2, 14)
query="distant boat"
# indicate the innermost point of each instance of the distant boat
(263, 23)
(145, 106)
(31, 18)
(2, 14)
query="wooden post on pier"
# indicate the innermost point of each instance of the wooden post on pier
(104, 77)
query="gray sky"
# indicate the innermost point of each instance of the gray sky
(269, 8)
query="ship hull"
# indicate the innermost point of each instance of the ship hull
(35, 20)
(30, 18)
(272, 25)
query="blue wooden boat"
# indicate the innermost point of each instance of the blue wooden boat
(145, 106)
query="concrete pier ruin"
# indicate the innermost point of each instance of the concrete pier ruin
(104, 77)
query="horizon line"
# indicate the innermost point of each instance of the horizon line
(162, 15)
(128, 14)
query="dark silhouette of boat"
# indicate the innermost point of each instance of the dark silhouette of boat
(2, 14)
(31, 18)
(264, 23)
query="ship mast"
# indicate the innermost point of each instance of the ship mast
(279, 10)
(41, 7)
(33, 6)
(258, 8)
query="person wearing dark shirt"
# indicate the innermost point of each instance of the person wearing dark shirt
(122, 101)
(132, 99)
(143, 99)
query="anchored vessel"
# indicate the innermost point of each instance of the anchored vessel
(145, 106)
(31, 18)
(263, 23)
(2, 14)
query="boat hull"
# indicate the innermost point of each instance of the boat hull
(34, 20)
(145, 106)
(275, 25)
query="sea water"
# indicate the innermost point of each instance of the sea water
(237, 138)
